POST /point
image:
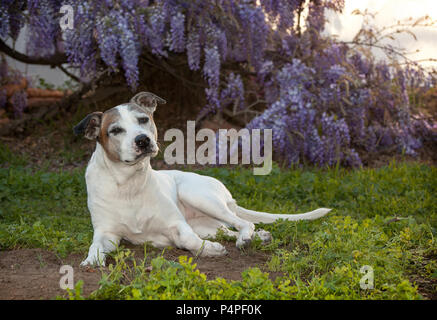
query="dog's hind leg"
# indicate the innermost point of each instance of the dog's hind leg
(217, 208)
(211, 197)
(207, 227)
(184, 237)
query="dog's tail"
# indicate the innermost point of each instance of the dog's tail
(264, 217)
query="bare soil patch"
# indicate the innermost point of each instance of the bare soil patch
(33, 274)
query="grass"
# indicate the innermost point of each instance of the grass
(385, 218)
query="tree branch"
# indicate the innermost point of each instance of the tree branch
(382, 47)
(68, 73)
(54, 60)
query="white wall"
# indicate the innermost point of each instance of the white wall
(50, 75)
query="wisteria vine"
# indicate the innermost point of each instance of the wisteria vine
(323, 100)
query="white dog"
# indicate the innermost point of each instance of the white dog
(128, 199)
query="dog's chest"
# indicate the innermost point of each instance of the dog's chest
(132, 213)
(133, 210)
(124, 212)
(134, 221)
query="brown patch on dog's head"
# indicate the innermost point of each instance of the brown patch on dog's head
(111, 148)
(95, 126)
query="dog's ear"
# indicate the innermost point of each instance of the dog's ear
(147, 101)
(89, 126)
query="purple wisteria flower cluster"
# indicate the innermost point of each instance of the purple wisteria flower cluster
(325, 101)
(43, 26)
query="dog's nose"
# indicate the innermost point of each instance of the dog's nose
(142, 141)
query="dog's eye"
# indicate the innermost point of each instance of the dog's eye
(116, 130)
(143, 120)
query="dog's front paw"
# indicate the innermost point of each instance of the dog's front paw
(213, 249)
(93, 261)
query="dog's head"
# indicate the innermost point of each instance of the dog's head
(126, 132)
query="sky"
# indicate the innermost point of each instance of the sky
(346, 25)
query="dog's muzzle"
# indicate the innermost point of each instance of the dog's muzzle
(142, 142)
(144, 147)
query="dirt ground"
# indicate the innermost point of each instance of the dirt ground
(34, 274)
